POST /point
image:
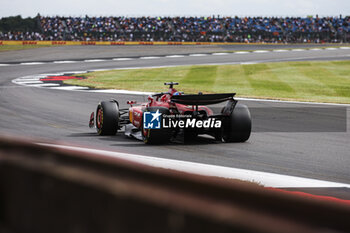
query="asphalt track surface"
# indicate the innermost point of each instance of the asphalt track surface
(62, 116)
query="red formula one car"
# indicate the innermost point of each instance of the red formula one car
(167, 115)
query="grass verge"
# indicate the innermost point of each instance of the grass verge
(326, 81)
(286, 48)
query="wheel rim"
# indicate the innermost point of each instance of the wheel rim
(99, 118)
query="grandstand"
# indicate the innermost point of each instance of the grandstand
(184, 29)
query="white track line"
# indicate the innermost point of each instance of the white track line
(280, 50)
(316, 49)
(263, 178)
(242, 52)
(31, 63)
(198, 55)
(112, 91)
(94, 70)
(51, 74)
(219, 54)
(261, 51)
(95, 60)
(344, 47)
(26, 82)
(64, 62)
(70, 72)
(27, 79)
(174, 56)
(4, 64)
(71, 88)
(248, 63)
(147, 58)
(331, 48)
(298, 50)
(123, 59)
(44, 85)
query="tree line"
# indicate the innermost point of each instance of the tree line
(19, 24)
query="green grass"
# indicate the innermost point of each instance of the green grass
(327, 81)
(289, 49)
(20, 47)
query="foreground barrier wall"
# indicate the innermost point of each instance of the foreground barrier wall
(50, 190)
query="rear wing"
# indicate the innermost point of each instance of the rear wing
(202, 99)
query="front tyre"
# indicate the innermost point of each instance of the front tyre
(107, 118)
(237, 127)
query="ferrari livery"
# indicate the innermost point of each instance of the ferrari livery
(172, 114)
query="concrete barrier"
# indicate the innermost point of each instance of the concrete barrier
(53, 190)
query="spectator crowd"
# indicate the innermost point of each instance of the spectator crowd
(193, 29)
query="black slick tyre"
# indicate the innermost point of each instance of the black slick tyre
(237, 127)
(107, 118)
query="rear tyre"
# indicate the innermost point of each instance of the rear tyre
(107, 118)
(237, 127)
(156, 136)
